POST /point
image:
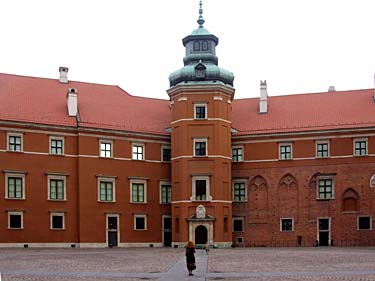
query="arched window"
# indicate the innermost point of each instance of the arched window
(197, 46)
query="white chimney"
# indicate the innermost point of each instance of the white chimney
(331, 89)
(263, 103)
(72, 102)
(63, 74)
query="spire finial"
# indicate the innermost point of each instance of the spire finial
(200, 20)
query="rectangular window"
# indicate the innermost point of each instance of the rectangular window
(285, 151)
(166, 154)
(56, 189)
(140, 222)
(138, 151)
(165, 193)
(138, 192)
(237, 155)
(239, 192)
(325, 188)
(106, 191)
(15, 188)
(56, 146)
(286, 225)
(200, 111)
(57, 221)
(238, 225)
(106, 149)
(15, 142)
(15, 220)
(200, 190)
(360, 147)
(364, 223)
(200, 147)
(322, 149)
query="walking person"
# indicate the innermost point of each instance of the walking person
(190, 257)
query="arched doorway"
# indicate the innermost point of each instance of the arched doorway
(201, 236)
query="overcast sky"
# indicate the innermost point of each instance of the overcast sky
(298, 46)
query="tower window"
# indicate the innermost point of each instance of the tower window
(200, 147)
(200, 111)
(196, 46)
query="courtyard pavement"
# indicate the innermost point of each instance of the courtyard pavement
(128, 264)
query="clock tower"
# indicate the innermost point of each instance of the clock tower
(201, 94)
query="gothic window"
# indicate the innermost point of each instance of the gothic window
(288, 181)
(349, 201)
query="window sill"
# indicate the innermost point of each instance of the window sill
(13, 151)
(142, 203)
(285, 159)
(140, 229)
(15, 228)
(7, 198)
(99, 201)
(165, 203)
(57, 200)
(324, 199)
(364, 229)
(57, 229)
(52, 154)
(103, 157)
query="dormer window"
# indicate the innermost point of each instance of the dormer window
(200, 71)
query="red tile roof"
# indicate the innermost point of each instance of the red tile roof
(305, 112)
(43, 101)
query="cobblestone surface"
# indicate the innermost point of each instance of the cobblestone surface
(253, 264)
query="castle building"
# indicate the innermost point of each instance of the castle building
(88, 165)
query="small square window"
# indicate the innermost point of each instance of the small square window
(15, 142)
(238, 225)
(322, 149)
(200, 147)
(237, 154)
(106, 149)
(285, 151)
(286, 225)
(364, 223)
(57, 221)
(360, 147)
(15, 220)
(138, 152)
(56, 146)
(140, 222)
(325, 188)
(200, 111)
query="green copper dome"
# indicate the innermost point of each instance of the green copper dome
(200, 61)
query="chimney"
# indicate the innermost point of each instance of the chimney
(72, 102)
(63, 74)
(263, 103)
(331, 89)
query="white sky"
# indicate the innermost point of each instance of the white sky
(298, 46)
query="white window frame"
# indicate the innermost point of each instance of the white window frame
(246, 189)
(364, 217)
(15, 213)
(10, 134)
(239, 219)
(291, 150)
(328, 146)
(161, 183)
(57, 214)
(111, 180)
(55, 177)
(360, 140)
(205, 110)
(138, 181)
(318, 178)
(242, 150)
(104, 141)
(143, 151)
(200, 140)
(15, 175)
(135, 225)
(281, 224)
(193, 192)
(62, 139)
(162, 152)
